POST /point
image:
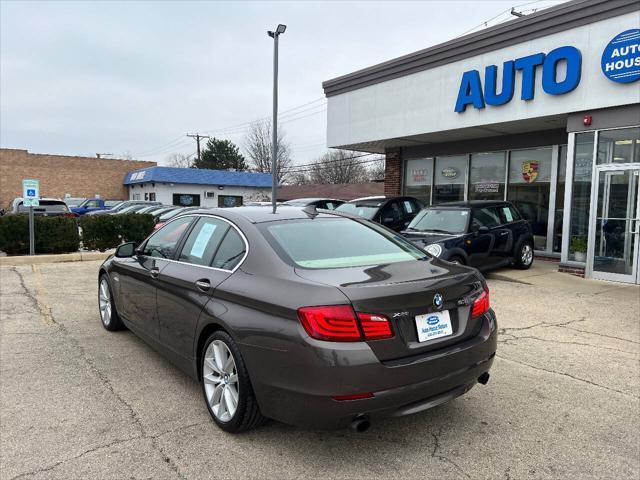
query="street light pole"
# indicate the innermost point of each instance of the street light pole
(274, 139)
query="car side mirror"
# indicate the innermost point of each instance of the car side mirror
(483, 229)
(126, 250)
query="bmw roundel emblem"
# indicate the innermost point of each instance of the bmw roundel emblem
(438, 301)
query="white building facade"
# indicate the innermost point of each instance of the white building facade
(543, 111)
(198, 187)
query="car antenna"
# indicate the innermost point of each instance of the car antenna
(311, 211)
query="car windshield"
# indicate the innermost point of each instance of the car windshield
(362, 210)
(46, 206)
(338, 242)
(440, 220)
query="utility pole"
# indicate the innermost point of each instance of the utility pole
(274, 141)
(197, 136)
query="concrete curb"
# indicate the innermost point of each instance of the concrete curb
(62, 257)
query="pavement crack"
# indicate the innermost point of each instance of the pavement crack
(81, 352)
(41, 307)
(75, 457)
(514, 340)
(563, 374)
(444, 458)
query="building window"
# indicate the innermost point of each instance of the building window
(418, 178)
(229, 201)
(152, 196)
(186, 200)
(450, 178)
(619, 146)
(529, 189)
(581, 196)
(209, 194)
(136, 196)
(486, 176)
(559, 211)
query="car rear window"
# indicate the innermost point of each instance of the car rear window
(339, 242)
(48, 206)
(365, 211)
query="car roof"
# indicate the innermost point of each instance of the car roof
(261, 214)
(472, 204)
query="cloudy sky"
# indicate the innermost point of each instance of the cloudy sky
(132, 78)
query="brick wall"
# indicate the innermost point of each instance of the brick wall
(393, 173)
(61, 174)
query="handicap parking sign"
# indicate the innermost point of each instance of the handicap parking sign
(30, 193)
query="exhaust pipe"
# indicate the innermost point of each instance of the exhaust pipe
(484, 378)
(360, 424)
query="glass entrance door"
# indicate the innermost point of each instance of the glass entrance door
(614, 237)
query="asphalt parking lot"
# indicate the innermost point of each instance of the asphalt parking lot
(80, 402)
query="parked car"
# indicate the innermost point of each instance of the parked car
(121, 206)
(112, 203)
(166, 216)
(482, 234)
(393, 212)
(135, 208)
(49, 207)
(73, 202)
(300, 327)
(326, 203)
(153, 208)
(90, 205)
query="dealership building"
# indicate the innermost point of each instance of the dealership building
(543, 111)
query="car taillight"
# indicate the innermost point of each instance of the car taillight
(481, 304)
(375, 327)
(339, 323)
(356, 396)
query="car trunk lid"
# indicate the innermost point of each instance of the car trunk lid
(401, 291)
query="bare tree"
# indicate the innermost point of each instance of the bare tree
(298, 177)
(257, 144)
(376, 170)
(338, 166)
(180, 160)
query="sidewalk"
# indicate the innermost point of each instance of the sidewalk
(545, 274)
(62, 257)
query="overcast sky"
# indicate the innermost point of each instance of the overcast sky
(77, 78)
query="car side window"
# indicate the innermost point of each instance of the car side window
(164, 242)
(230, 252)
(409, 207)
(92, 204)
(485, 217)
(203, 241)
(393, 211)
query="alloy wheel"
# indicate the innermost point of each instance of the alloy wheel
(220, 378)
(104, 300)
(527, 254)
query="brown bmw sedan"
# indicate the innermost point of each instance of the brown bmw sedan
(308, 317)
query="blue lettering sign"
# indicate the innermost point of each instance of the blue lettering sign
(508, 80)
(621, 57)
(472, 93)
(573, 59)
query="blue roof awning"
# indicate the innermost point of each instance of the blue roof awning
(198, 176)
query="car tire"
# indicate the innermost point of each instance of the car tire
(108, 315)
(524, 256)
(226, 382)
(457, 260)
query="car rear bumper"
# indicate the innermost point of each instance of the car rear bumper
(297, 387)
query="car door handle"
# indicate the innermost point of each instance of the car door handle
(203, 285)
(154, 272)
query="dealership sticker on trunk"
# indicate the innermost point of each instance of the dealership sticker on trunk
(433, 325)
